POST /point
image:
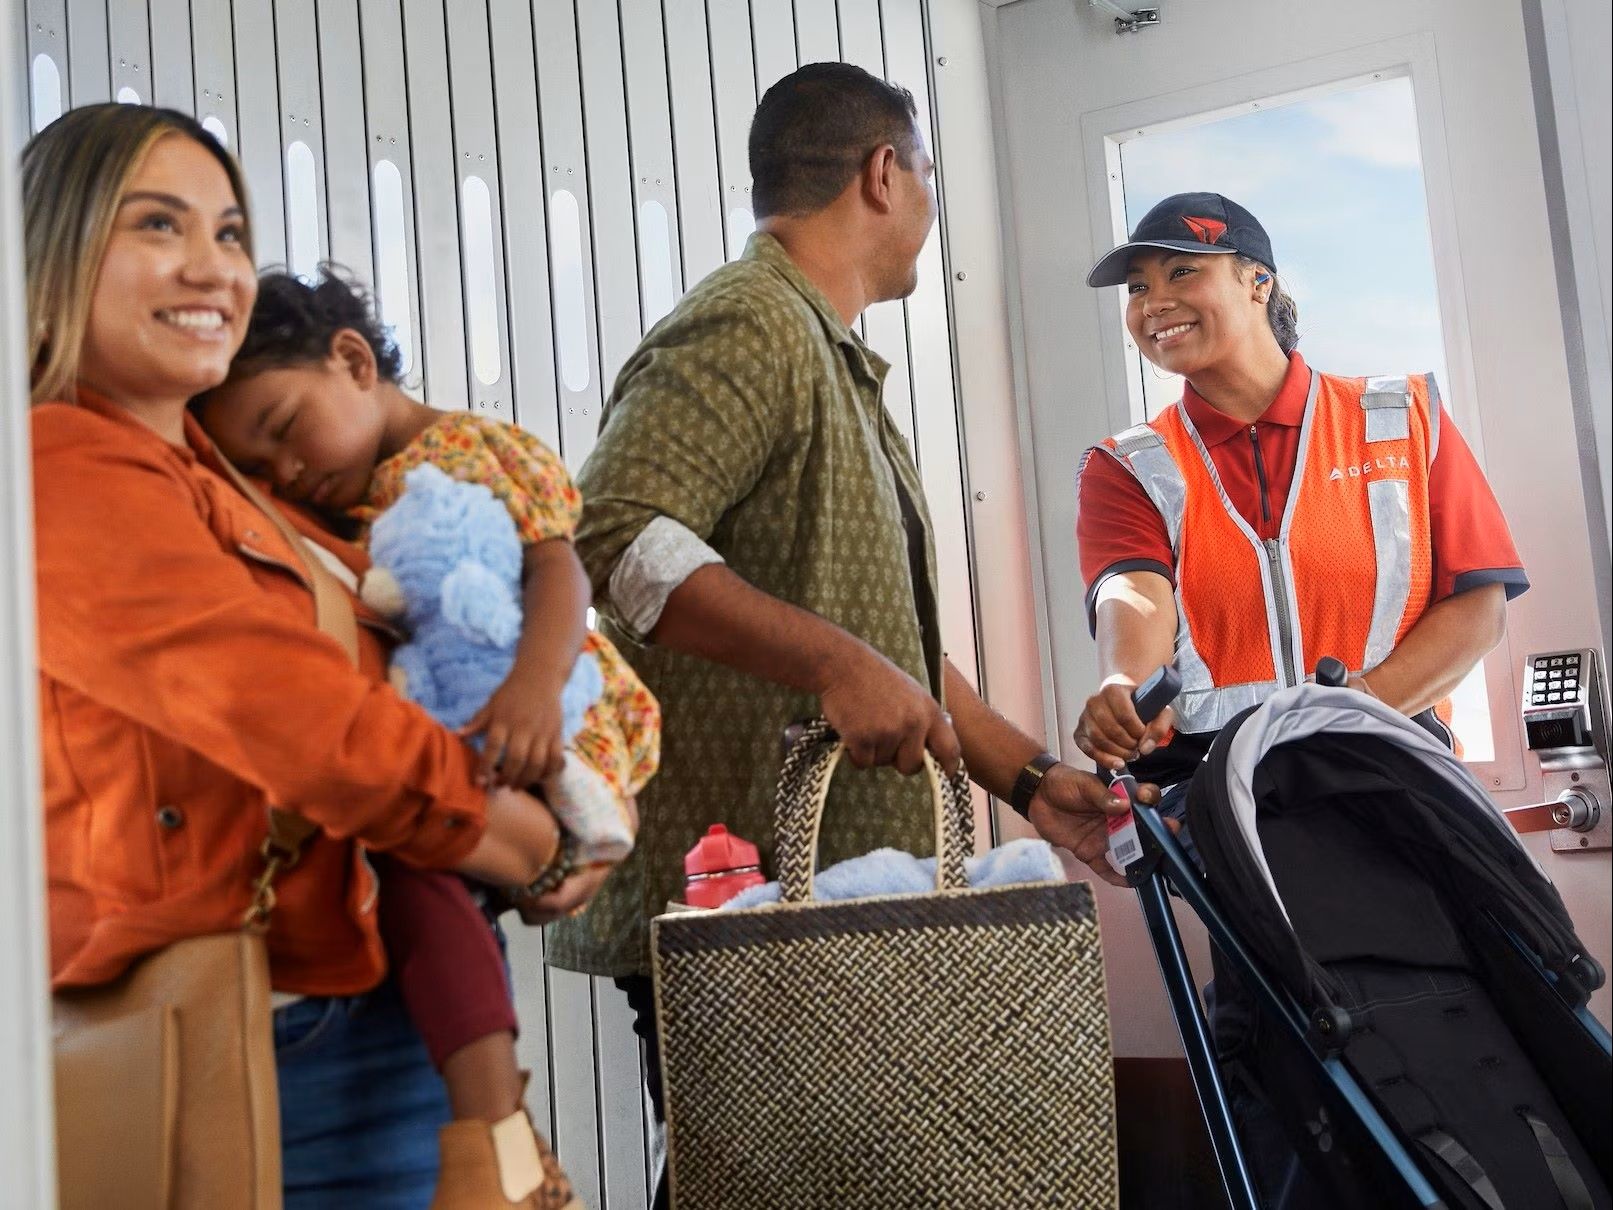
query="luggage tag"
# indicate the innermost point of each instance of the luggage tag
(1125, 846)
(1149, 698)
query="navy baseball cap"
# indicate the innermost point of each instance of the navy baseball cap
(1202, 223)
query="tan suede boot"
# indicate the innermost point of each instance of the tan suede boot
(502, 1165)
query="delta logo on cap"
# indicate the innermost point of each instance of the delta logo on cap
(1205, 230)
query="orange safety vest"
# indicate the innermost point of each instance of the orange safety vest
(1350, 571)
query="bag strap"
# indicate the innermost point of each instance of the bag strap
(333, 610)
(803, 791)
(1460, 1161)
(1570, 1184)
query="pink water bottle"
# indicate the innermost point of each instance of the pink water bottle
(719, 867)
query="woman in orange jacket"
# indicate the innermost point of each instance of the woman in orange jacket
(184, 685)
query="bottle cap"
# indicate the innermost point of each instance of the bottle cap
(719, 850)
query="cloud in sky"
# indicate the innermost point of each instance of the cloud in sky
(1376, 125)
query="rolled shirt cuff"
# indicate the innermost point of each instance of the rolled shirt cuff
(663, 556)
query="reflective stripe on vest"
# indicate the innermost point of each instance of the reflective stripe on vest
(1355, 523)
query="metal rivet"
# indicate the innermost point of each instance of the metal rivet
(394, 140)
(961, 275)
(980, 495)
(1495, 781)
(1584, 842)
(170, 817)
(940, 60)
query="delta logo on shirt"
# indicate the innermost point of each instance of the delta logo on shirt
(1205, 230)
(1368, 469)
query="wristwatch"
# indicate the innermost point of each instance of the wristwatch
(1029, 781)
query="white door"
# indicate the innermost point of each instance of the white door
(1097, 123)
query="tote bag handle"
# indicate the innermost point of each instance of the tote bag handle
(803, 791)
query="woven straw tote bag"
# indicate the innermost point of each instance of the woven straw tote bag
(900, 1052)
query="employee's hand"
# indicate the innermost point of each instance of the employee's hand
(1110, 731)
(884, 716)
(1071, 810)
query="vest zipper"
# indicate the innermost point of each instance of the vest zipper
(1260, 476)
(1279, 589)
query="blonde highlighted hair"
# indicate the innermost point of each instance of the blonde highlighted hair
(74, 173)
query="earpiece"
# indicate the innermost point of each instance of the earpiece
(1261, 278)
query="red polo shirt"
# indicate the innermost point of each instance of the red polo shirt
(1118, 529)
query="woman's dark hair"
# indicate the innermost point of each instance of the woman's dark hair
(293, 322)
(1282, 312)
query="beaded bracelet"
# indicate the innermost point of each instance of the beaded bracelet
(561, 867)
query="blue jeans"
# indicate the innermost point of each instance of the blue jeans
(360, 1104)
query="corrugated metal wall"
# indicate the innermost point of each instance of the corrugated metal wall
(534, 183)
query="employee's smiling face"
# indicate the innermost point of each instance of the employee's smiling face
(1190, 311)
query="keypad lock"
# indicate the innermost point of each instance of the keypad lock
(1565, 724)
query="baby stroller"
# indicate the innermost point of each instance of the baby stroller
(1398, 986)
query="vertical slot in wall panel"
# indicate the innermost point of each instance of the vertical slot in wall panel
(46, 22)
(347, 178)
(173, 78)
(89, 52)
(621, 1101)
(610, 187)
(524, 952)
(257, 116)
(211, 41)
(859, 35)
(576, 1103)
(526, 246)
(570, 229)
(733, 85)
(296, 38)
(386, 114)
(940, 436)
(884, 324)
(655, 181)
(129, 40)
(694, 139)
(817, 31)
(470, 74)
(436, 205)
(570, 233)
(773, 30)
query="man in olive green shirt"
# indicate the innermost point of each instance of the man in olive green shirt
(756, 534)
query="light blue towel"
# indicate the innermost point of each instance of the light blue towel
(893, 872)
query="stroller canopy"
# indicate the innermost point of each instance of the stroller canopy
(1352, 764)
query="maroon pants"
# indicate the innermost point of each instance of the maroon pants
(444, 957)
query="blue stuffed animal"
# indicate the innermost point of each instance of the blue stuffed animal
(446, 564)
